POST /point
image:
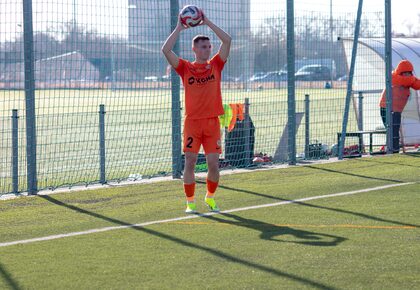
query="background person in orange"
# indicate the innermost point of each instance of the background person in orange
(203, 102)
(402, 80)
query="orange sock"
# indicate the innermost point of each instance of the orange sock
(189, 190)
(211, 187)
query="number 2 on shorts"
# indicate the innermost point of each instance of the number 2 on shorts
(189, 142)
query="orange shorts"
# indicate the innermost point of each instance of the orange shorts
(204, 132)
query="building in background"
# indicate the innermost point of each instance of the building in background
(149, 26)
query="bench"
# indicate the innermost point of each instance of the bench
(359, 134)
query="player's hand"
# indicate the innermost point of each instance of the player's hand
(179, 25)
(205, 19)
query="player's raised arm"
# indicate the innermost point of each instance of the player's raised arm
(225, 38)
(416, 84)
(167, 47)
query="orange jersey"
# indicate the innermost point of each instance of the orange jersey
(401, 87)
(400, 95)
(202, 83)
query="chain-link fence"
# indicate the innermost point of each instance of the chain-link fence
(106, 106)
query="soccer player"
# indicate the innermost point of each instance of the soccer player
(203, 102)
(402, 80)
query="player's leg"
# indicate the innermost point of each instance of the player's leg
(212, 180)
(383, 116)
(213, 149)
(189, 167)
(213, 167)
(192, 143)
(189, 181)
(396, 122)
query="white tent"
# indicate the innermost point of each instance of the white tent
(369, 76)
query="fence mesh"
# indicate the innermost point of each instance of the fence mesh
(92, 53)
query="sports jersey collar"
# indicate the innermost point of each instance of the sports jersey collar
(200, 64)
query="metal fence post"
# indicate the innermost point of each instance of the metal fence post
(360, 119)
(342, 140)
(176, 103)
(15, 152)
(112, 66)
(247, 134)
(307, 133)
(388, 66)
(102, 144)
(28, 38)
(291, 101)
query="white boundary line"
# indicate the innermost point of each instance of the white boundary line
(105, 229)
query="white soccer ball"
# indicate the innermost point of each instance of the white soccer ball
(191, 16)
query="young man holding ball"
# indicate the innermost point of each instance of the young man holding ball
(203, 102)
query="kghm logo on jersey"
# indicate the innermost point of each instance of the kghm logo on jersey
(200, 81)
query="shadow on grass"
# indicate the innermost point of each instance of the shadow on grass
(358, 214)
(186, 243)
(273, 232)
(413, 154)
(353, 174)
(382, 161)
(7, 277)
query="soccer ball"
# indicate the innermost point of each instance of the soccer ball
(191, 16)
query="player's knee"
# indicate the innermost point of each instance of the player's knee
(190, 162)
(213, 165)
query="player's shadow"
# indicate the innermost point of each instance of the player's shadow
(358, 214)
(285, 234)
(217, 253)
(8, 279)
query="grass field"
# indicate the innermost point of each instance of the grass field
(367, 240)
(138, 130)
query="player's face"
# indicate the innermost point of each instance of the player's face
(202, 49)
